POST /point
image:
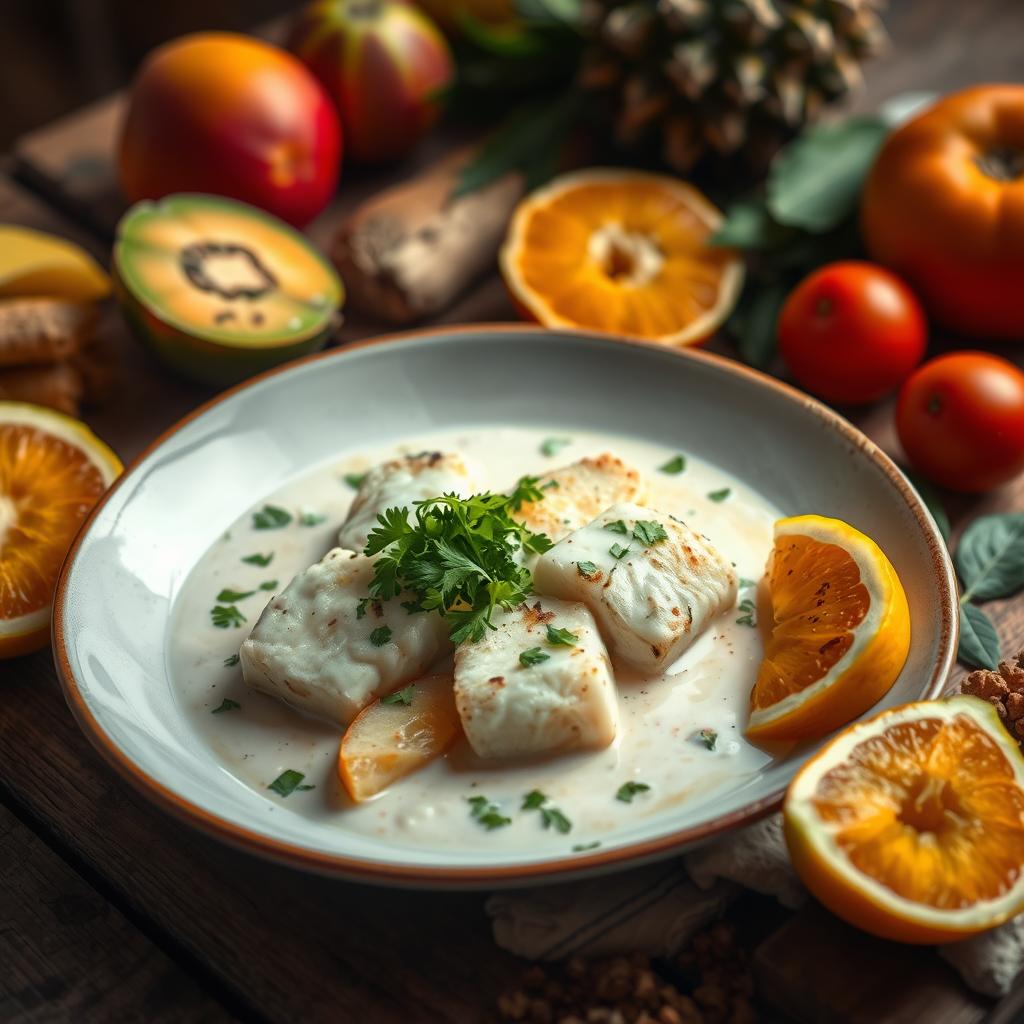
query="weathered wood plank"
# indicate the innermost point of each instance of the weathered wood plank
(68, 954)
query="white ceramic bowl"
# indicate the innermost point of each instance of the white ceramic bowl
(131, 558)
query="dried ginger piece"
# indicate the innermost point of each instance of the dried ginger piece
(43, 331)
(58, 387)
(1003, 688)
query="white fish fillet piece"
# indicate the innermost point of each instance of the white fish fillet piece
(574, 494)
(400, 483)
(652, 602)
(565, 702)
(311, 648)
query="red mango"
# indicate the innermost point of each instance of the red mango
(227, 114)
(384, 63)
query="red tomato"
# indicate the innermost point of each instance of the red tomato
(851, 332)
(961, 420)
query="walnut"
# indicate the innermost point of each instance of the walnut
(1003, 688)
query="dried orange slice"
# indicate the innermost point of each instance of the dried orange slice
(53, 469)
(621, 251)
(911, 825)
(839, 634)
(398, 734)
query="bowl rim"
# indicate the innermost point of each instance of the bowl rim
(549, 870)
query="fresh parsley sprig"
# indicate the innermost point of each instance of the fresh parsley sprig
(458, 556)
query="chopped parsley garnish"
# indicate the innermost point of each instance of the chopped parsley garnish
(230, 596)
(270, 517)
(708, 737)
(307, 518)
(380, 636)
(721, 495)
(744, 583)
(263, 560)
(617, 526)
(355, 480)
(551, 817)
(289, 782)
(223, 616)
(227, 704)
(361, 607)
(412, 607)
(628, 790)
(582, 847)
(648, 532)
(534, 656)
(674, 466)
(553, 445)
(268, 584)
(749, 616)
(561, 637)
(232, 661)
(551, 485)
(586, 568)
(487, 814)
(458, 556)
(403, 696)
(618, 551)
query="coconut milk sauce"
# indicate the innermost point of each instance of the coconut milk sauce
(661, 717)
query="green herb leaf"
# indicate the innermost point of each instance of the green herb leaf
(617, 526)
(224, 616)
(361, 607)
(380, 636)
(529, 141)
(979, 641)
(628, 790)
(553, 445)
(720, 495)
(487, 814)
(227, 704)
(753, 323)
(815, 181)
(552, 817)
(617, 551)
(403, 696)
(354, 480)
(749, 616)
(582, 847)
(533, 800)
(552, 12)
(708, 737)
(229, 595)
(232, 661)
(551, 485)
(311, 518)
(270, 517)
(534, 656)
(561, 637)
(268, 585)
(649, 532)
(990, 557)
(749, 225)
(262, 560)
(289, 782)
(744, 583)
(674, 466)
(932, 501)
(586, 568)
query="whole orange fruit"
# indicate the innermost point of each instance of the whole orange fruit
(943, 206)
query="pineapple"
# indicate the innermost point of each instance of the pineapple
(701, 79)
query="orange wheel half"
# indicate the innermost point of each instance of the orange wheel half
(53, 469)
(621, 251)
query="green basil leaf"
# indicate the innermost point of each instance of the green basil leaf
(749, 225)
(815, 182)
(990, 556)
(979, 641)
(754, 327)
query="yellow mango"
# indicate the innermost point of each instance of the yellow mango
(35, 263)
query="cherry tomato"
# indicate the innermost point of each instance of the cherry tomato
(960, 418)
(851, 332)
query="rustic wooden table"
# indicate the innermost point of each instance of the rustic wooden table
(110, 910)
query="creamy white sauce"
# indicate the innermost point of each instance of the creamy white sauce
(661, 717)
